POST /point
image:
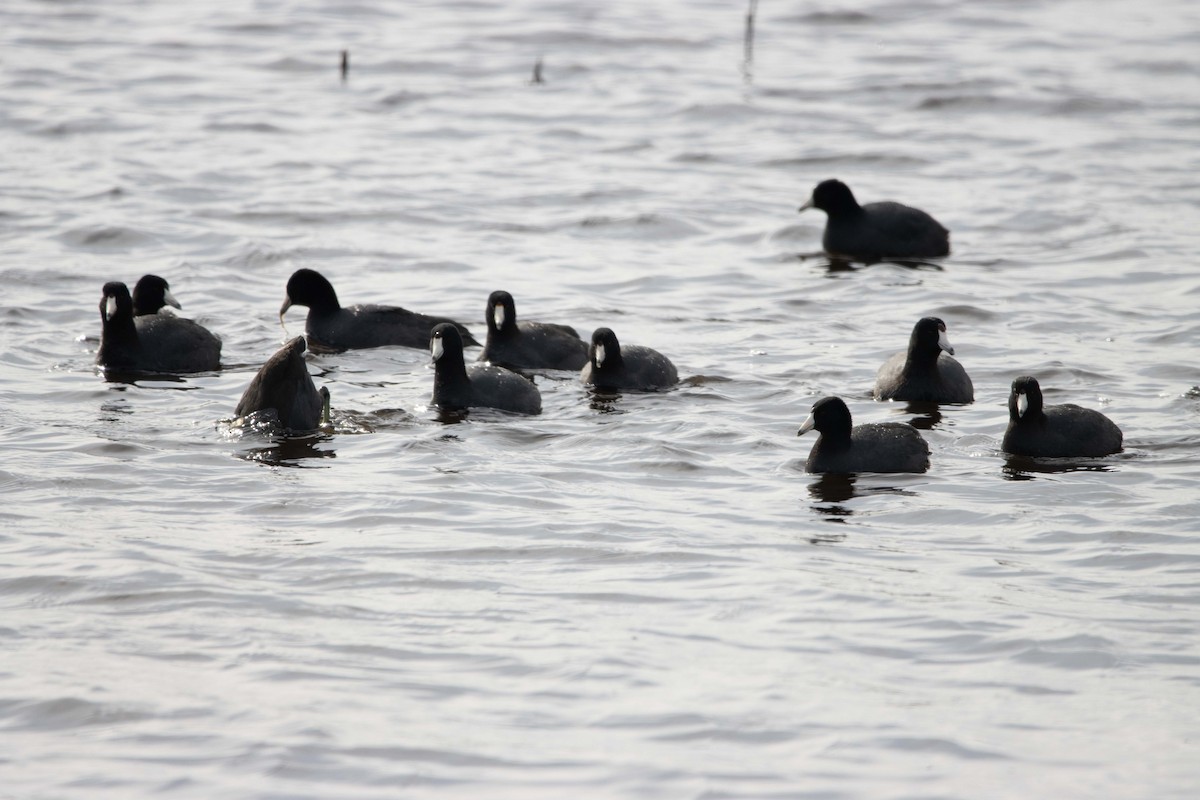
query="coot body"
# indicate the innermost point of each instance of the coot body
(1061, 431)
(873, 447)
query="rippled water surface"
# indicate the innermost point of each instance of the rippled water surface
(634, 597)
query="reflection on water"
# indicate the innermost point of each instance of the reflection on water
(1026, 468)
(929, 414)
(604, 401)
(836, 489)
(449, 417)
(833, 487)
(146, 379)
(289, 452)
(835, 264)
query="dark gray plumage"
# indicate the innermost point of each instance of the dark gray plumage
(1062, 431)
(284, 389)
(150, 294)
(927, 372)
(331, 326)
(873, 447)
(876, 230)
(455, 388)
(528, 345)
(151, 343)
(611, 366)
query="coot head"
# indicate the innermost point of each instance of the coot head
(605, 350)
(929, 335)
(446, 344)
(830, 417)
(307, 287)
(833, 197)
(1025, 399)
(150, 294)
(501, 313)
(115, 302)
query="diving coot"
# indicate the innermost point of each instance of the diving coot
(284, 389)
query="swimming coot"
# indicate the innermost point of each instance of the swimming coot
(927, 372)
(330, 326)
(455, 388)
(151, 343)
(284, 390)
(150, 294)
(876, 230)
(874, 447)
(611, 366)
(1064, 431)
(528, 345)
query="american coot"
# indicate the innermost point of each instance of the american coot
(331, 327)
(284, 390)
(611, 366)
(876, 230)
(528, 345)
(925, 372)
(150, 294)
(1065, 431)
(151, 343)
(456, 389)
(874, 447)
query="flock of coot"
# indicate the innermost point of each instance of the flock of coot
(136, 338)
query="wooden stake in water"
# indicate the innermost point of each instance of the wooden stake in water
(748, 42)
(537, 72)
(345, 64)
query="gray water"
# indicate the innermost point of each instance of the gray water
(643, 597)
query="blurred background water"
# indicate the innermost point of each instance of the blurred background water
(640, 597)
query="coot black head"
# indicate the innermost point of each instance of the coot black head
(831, 418)
(150, 294)
(501, 313)
(446, 347)
(116, 305)
(1025, 399)
(833, 197)
(307, 287)
(605, 350)
(929, 338)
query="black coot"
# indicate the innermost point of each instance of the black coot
(284, 390)
(528, 345)
(927, 371)
(611, 366)
(876, 230)
(1065, 431)
(873, 447)
(151, 343)
(150, 294)
(455, 388)
(330, 326)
